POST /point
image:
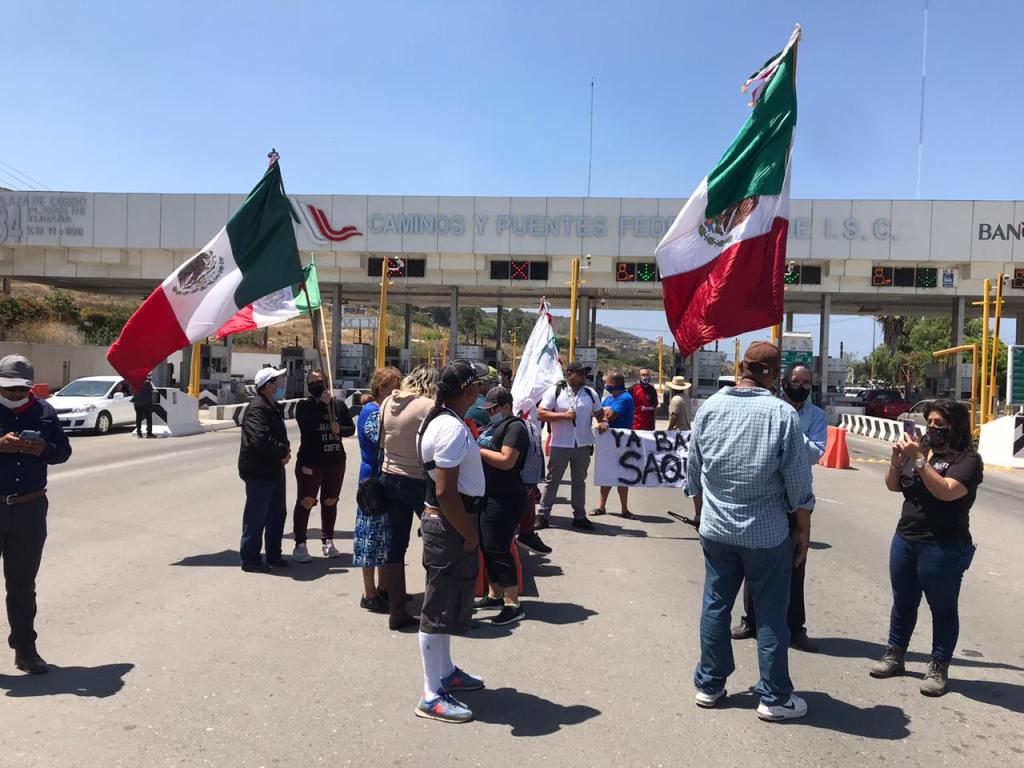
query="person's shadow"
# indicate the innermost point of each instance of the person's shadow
(852, 648)
(547, 613)
(93, 682)
(526, 714)
(823, 711)
(317, 568)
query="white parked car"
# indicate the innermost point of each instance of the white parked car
(94, 403)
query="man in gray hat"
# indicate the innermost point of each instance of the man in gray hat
(30, 439)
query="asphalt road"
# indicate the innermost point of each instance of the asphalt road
(165, 653)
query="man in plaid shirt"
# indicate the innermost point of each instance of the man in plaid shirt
(747, 470)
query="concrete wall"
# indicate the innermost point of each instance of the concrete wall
(49, 359)
(247, 363)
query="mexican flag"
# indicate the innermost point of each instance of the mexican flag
(539, 367)
(277, 307)
(722, 261)
(254, 255)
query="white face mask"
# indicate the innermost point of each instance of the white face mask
(12, 404)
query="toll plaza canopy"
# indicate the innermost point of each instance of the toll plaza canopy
(846, 256)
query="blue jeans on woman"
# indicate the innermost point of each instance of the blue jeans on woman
(768, 572)
(935, 570)
(263, 517)
(405, 498)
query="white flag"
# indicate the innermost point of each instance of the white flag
(539, 368)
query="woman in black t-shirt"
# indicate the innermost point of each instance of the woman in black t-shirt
(932, 547)
(503, 447)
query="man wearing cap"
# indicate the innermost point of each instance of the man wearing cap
(477, 412)
(143, 402)
(747, 471)
(619, 409)
(455, 483)
(503, 448)
(796, 388)
(645, 401)
(569, 410)
(30, 440)
(262, 456)
(680, 407)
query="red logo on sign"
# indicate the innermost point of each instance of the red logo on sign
(334, 235)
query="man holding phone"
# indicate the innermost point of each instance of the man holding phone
(30, 439)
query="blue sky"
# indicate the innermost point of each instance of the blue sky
(492, 98)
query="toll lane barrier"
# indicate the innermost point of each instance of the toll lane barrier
(874, 427)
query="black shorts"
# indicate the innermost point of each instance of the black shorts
(451, 579)
(498, 522)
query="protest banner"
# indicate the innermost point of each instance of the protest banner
(641, 458)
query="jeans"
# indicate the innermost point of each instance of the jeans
(22, 534)
(578, 462)
(796, 616)
(263, 517)
(768, 572)
(936, 570)
(405, 499)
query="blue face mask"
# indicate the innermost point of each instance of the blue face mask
(279, 393)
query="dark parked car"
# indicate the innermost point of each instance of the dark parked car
(883, 403)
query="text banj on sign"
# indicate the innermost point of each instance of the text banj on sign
(641, 458)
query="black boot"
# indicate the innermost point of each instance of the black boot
(27, 660)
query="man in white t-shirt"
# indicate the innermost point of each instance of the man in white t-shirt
(569, 410)
(455, 483)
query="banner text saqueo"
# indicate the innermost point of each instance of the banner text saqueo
(646, 458)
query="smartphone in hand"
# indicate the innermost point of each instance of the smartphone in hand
(910, 430)
(29, 434)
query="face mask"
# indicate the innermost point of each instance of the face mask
(316, 388)
(797, 394)
(937, 436)
(279, 393)
(645, 380)
(12, 404)
(497, 418)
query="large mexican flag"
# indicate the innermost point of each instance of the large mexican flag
(723, 259)
(254, 255)
(285, 304)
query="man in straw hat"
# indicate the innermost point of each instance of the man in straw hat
(747, 471)
(680, 407)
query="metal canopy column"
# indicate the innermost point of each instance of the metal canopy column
(499, 331)
(826, 316)
(407, 337)
(583, 327)
(453, 327)
(336, 321)
(959, 316)
(789, 322)
(592, 341)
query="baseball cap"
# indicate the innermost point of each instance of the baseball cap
(264, 375)
(497, 396)
(577, 365)
(762, 358)
(458, 374)
(16, 371)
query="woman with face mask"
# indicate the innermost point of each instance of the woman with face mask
(939, 477)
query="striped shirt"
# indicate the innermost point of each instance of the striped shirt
(749, 463)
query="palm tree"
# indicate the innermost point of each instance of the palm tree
(892, 330)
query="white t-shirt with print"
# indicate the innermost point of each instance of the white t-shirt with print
(448, 442)
(566, 434)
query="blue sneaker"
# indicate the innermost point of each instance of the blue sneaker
(445, 708)
(457, 680)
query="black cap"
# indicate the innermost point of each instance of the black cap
(578, 366)
(459, 374)
(496, 397)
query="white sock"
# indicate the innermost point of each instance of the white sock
(447, 665)
(434, 649)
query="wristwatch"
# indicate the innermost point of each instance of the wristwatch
(919, 463)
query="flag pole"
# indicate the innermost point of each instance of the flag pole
(273, 157)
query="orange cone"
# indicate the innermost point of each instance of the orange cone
(837, 455)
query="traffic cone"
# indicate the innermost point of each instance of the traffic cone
(837, 455)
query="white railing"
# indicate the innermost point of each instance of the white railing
(874, 427)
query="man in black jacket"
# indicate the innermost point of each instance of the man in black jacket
(263, 454)
(321, 464)
(143, 402)
(30, 440)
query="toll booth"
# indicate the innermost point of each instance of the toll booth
(472, 352)
(353, 365)
(588, 356)
(298, 361)
(214, 366)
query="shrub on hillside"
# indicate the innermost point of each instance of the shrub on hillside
(46, 332)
